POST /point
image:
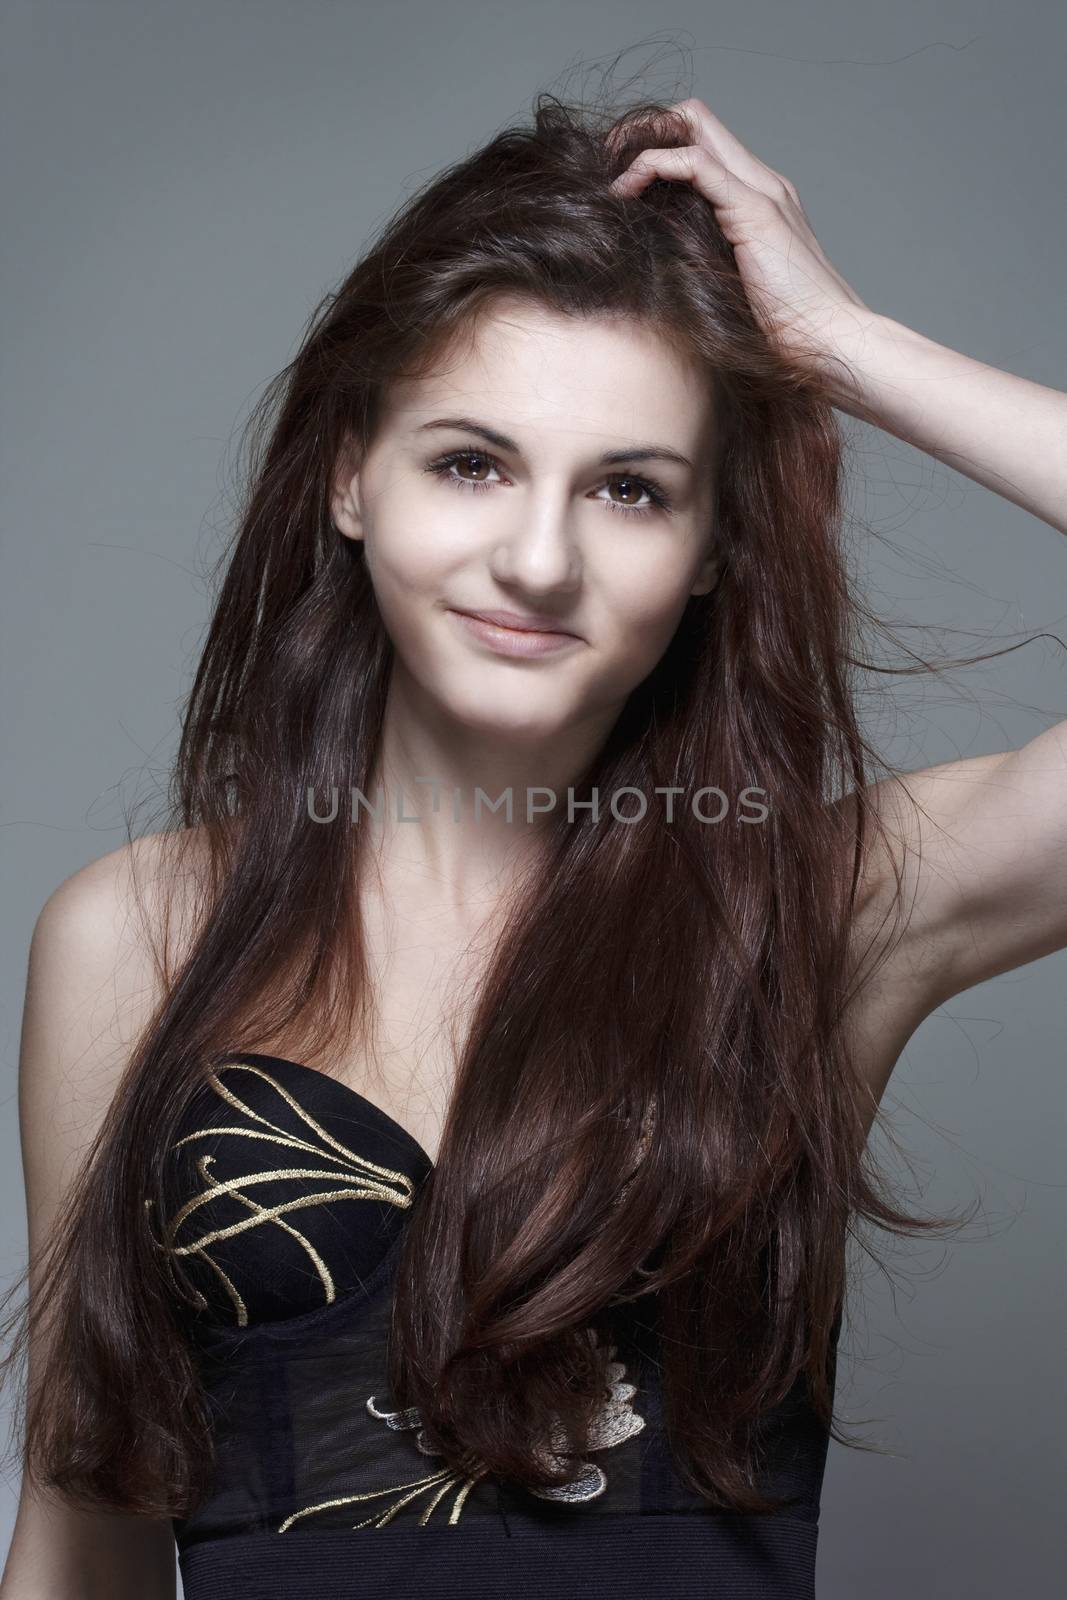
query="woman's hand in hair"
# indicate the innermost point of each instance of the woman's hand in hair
(797, 296)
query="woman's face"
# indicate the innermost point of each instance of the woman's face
(488, 487)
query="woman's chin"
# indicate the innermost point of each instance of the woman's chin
(507, 714)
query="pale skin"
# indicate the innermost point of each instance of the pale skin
(989, 895)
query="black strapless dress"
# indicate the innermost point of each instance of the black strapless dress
(288, 1192)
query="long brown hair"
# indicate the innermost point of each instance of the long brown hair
(654, 1096)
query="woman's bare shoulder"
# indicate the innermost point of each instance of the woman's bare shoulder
(103, 949)
(128, 901)
(91, 986)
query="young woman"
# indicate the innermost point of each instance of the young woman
(442, 1141)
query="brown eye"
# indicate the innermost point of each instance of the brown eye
(465, 461)
(447, 469)
(631, 488)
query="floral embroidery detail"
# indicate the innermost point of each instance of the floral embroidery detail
(614, 1423)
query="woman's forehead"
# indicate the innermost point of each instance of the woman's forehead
(538, 371)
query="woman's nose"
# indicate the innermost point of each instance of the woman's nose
(539, 548)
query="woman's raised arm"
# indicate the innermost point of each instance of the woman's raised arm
(981, 843)
(1005, 432)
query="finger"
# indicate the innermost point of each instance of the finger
(727, 148)
(684, 163)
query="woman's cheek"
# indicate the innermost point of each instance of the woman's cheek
(649, 618)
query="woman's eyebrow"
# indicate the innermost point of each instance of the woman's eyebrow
(501, 441)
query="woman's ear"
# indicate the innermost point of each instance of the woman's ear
(708, 576)
(345, 498)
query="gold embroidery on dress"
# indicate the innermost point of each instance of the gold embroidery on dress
(359, 1179)
(614, 1423)
(648, 1123)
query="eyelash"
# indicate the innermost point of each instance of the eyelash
(658, 496)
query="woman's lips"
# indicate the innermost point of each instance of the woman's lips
(514, 641)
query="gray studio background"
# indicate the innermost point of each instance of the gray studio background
(181, 184)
